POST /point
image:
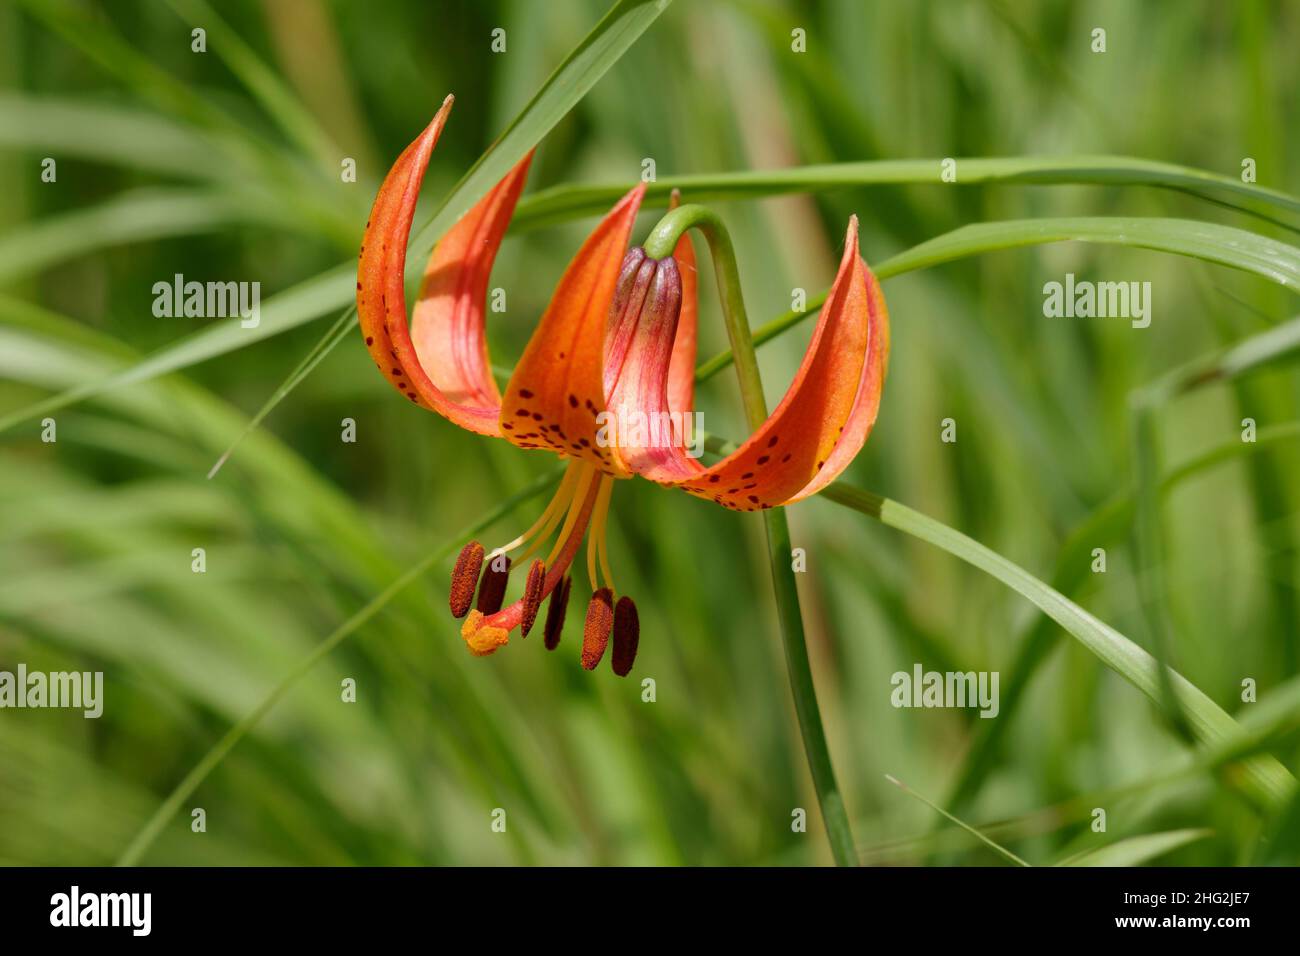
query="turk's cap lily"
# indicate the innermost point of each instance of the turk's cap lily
(617, 341)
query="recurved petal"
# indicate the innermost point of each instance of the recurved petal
(556, 393)
(826, 414)
(681, 370)
(866, 405)
(446, 368)
(446, 349)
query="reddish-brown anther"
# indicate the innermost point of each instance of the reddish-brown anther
(555, 614)
(627, 633)
(532, 596)
(492, 587)
(464, 578)
(595, 635)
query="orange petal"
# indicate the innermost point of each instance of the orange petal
(870, 386)
(681, 371)
(446, 369)
(825, 416)
(556, 391)
(446, 348)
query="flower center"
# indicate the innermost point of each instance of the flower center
(581, 502)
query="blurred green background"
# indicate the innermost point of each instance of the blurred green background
(169, 161)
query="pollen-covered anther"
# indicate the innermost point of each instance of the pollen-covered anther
(595, 635)
(492, 588)
(627, 634)
(464, 578)
(532, 596)
(482, 639)
(559, 603)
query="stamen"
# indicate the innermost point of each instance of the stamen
(602, 550)
(464, 577)
(532, 596)
(596, 536)
(492, 588)
(595, 635)
(508, 618)
(627, 634)
(542, 527)
(586, 473)
(543, 536)
(554, 625)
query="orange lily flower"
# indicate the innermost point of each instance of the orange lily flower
(606, 383)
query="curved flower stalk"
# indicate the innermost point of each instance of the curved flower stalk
(606, 383)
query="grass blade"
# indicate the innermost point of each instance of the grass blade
(1222, 245)
(1266, 778)
(563, 90)
(1137, 850)
(212, 759)
(342, 327)
(561, 203)
(1000, 850)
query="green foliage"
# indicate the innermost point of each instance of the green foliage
(327, 560)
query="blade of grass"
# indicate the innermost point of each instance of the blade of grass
(561, 203)
(260, 81)
(212, 759)
(342, 327)
(1000, 850)
(285, 310)
(1135, 850)
(1148, 555)
(1265, 778)
(110, 133)
(1264, 350)
(1272, 347)
(1223, 245)
(563, 90)
(1106, 524)
(138, 216)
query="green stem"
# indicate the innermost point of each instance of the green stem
(660, 244)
